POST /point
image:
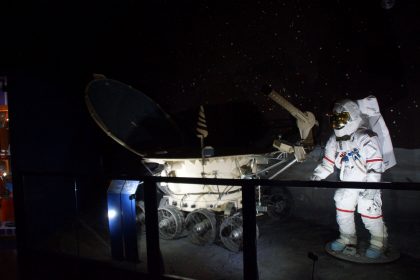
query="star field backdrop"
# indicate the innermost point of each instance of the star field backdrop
(219, 54)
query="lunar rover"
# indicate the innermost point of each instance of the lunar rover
(204, 213)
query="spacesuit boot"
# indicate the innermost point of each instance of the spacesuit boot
(346, 244)
(374, 251)
(378, 245)
(379, 237)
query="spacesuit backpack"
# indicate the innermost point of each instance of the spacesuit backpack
(370, 111)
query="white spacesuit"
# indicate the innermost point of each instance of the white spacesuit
(356, 151)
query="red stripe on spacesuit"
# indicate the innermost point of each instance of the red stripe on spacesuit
(329, 160)
(373, 160)
(347, 211)
(370, 217)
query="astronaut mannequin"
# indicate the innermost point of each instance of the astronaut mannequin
(356, 151)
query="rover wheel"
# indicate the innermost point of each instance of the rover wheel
(231, 233)
(201, 226)
(279, 205)
(171, 222)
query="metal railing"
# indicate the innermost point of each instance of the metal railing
(250, 263)
(154, 259)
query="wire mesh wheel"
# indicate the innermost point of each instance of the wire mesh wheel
(279, 205)
(171, 222)
(231, 232)
(201, 226)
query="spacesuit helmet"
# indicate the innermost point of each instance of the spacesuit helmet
(346, 118)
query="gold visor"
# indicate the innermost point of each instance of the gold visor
(339, 120)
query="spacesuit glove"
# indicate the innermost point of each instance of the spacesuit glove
(315, 178)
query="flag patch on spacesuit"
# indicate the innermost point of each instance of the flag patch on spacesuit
(353, 154)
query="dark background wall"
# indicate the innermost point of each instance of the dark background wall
(187, 53)
(184, 54)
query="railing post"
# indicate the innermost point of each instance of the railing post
(249, 232)
(154, 258)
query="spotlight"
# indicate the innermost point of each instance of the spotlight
(112, 213)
